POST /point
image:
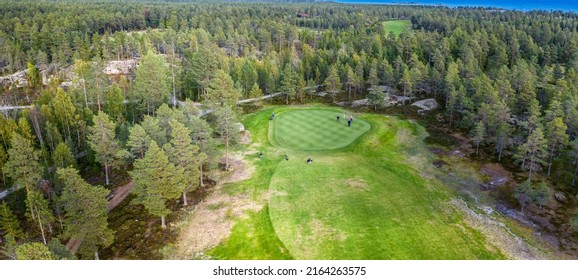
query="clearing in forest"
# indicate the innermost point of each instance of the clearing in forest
(396, 26)
(359, 199)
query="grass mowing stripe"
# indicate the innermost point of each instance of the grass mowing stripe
(311, 130)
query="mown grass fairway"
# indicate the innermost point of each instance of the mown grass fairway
(361, 201)
(396, 26)
(315, 129)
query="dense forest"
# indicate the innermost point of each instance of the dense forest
(508, 79)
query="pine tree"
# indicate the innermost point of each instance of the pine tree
(34, 76)
(9, 223)
(189, 109)
(406, 84)
(9, 248)
(377, 97)
(153, 130)
(102, 140)
(574, 156)
(156, 181)
(557, 138)
(479, 133)
(533, 150)
(255, 92)
(373, 79)
(23, 162)
(39, 211)
(114, 105)
(86, 212)
(33, 251)
(62, 156)
(182, 153)
(288, 82)
(201, 134)
(524, 192)
(138, 141)
(152, 80)
(349, 79)
(227, 129)
(333, 82)
(222, 90)
(82, 71)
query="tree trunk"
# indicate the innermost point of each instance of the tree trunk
(185, 198)
(42, 230)
(39, 224)
(531, 167)
(106, 173)
(451, 116)
(98, 100)
(85, 94)
(500, 154)
(163, 224)
(201, 168)
(551, 158)
(349, 90)
(575, 171)
(96, 256)
(227, 153)
(477, 149)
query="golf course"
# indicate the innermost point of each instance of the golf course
(363, 197)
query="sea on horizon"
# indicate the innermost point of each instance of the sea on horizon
(551, 5)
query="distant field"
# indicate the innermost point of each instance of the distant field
(396, 26)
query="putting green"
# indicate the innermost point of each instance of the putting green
(314, 129)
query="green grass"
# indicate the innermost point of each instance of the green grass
(396, 26)
(308, 129)
(360, 201)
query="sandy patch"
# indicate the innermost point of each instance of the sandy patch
(358, 184)
(211, 221)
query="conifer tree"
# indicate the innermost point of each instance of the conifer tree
(114, 105)
(62, 156)
(227, 129)
(201, 134)
(288, 82)
(222, 90)
(533, 150)
(23, 162)
(479, 133)
(156, 181)
(39, 211)
(152, 81)
(102, 140)
(33, 251)
(182, 153)
(333, 82)
(9, 223)
(557, 138)
(377, 97)
(138, 141)
(86, 212)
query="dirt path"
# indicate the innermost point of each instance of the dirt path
(212, 220)
(120, 194)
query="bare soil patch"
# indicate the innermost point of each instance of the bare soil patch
(213, 218)
(358, 184)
